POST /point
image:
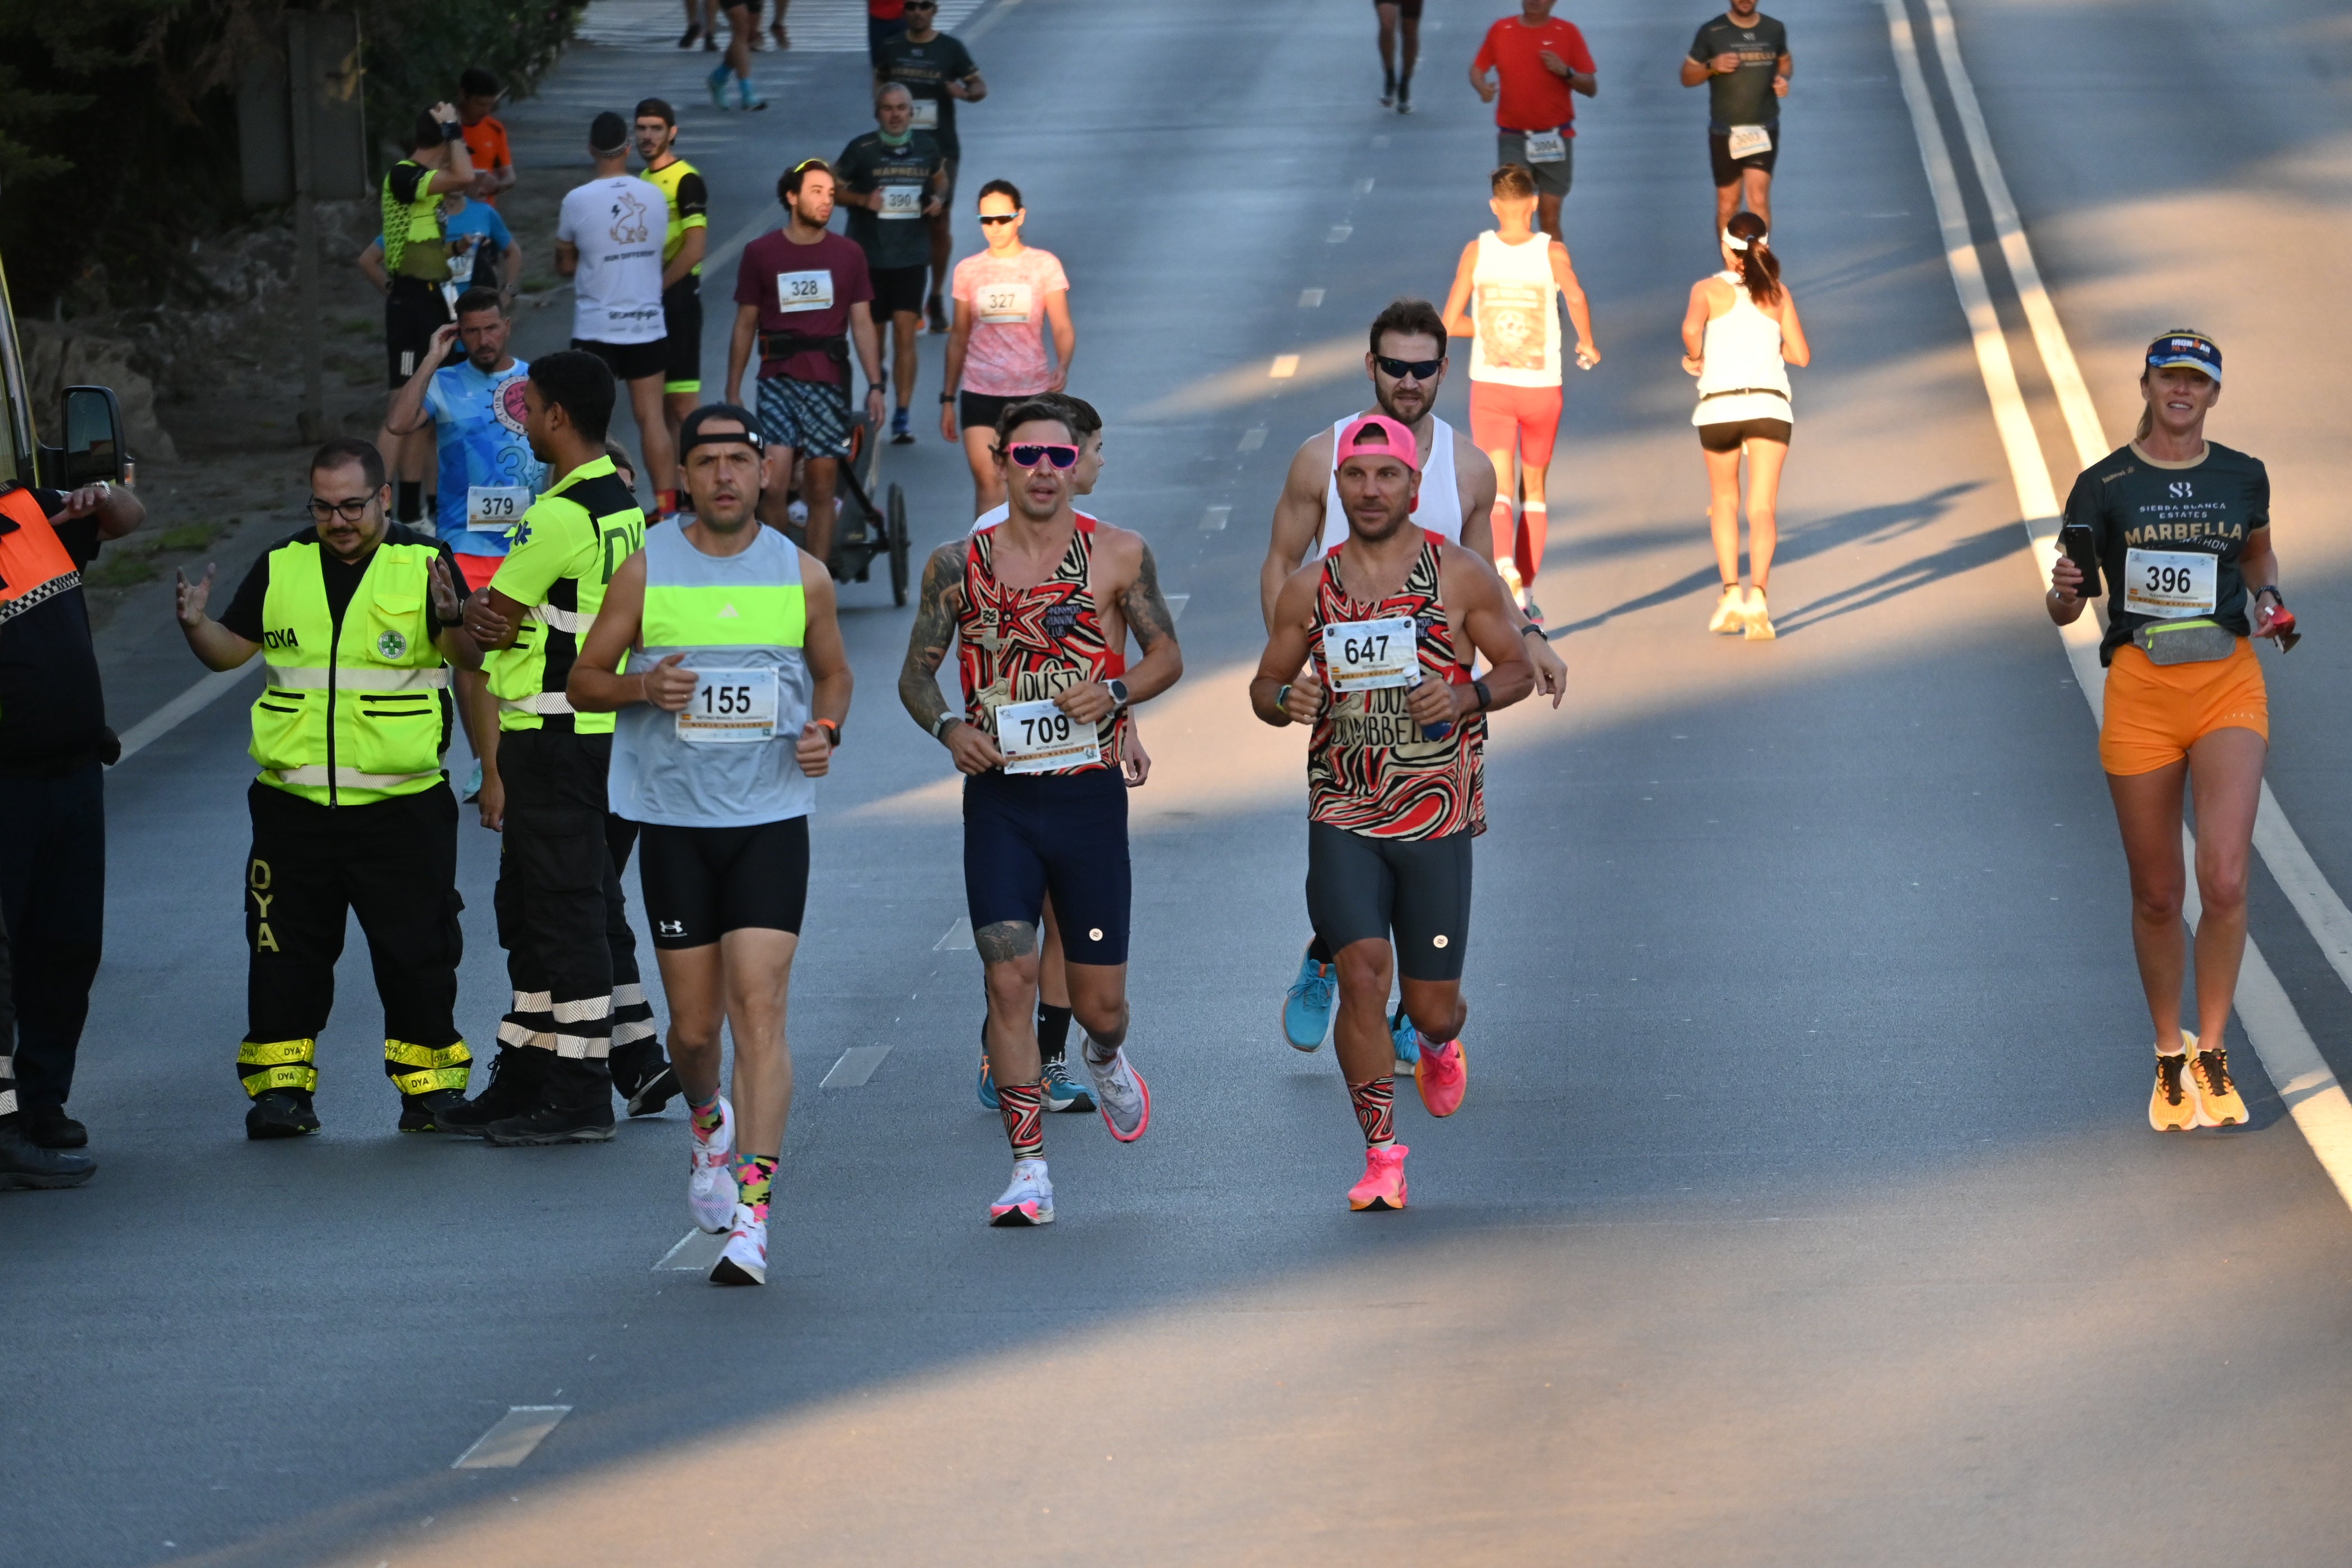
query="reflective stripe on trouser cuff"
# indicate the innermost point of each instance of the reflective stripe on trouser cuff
(536, 702)
(447, 1068)
(628, 995)
(314, 775)
(513, 1033)
(586, 1010)
(284, 1063)
(629, 1034)
(7, 1102)
(590, 1048)
(290, 678)
(532, 1002)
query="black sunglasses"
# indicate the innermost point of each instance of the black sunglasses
(992, 218)
(1413, 369)
(1029, 453)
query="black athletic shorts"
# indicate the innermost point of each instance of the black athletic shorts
(682, 320)
(1735, 434)
(1362, 889)
(897, 288)
(1025, 834)
(1409, 9)
(629, 361)
(412, 312)
(702, 882)
(1727, 171)
(979, 410)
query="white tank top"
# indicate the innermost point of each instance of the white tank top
(1743, 376)
(1437, 506)
(1513, 303)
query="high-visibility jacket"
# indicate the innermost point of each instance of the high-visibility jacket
(353, 710)
(35, 564)
(415, 244)
(688, 204)
(570, 542)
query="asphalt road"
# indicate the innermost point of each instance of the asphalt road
(1803, 1210)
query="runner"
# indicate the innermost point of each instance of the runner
(607, 242)
(1396, 86)
(1542, 64)
(2181, 526)
(737, 691)
(938, 70)
(1504, 299)
(1743, 58)
(478, 412)
(1005, 298)
(742, 26)
(889, 179)
(884, 20)
(415, 263)
(479, 93)
(1392, 774)
(1407, 365)
(687, 200)
(1740, 336)
(802, 293)
(701, 22)
(1041, 605)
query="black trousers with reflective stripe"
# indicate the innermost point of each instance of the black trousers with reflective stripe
(53, 901)
(394, 863)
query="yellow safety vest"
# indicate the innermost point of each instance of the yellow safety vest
(414, 244)
(570, 542)
(666, 179)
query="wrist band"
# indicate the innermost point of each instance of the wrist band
(939, 725)
(1282, 698)
(1485, 698)
(832, 729)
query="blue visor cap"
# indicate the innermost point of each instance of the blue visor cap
(2194, 350)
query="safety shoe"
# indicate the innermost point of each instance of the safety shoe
(745, 1260)
(1383, 1185)
(1442, 1076)
(1307, 1008)
(2170, 1107)
(1061, 1093)
(644, 1079)
(423, 1112)
(512, 1089)
(25, 1164)
(710, 1191)
(51, 1128)
(1404, 1040)
(281, 1113)
(1028, 1201)
(575, 1106)
(1120, 1092)
(2217, 1102)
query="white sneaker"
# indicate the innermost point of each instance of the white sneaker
(1730, 617)
(710, 1186)
(1757, 618)
(1120, 1092)
(745, 1260)
(1028, 1201)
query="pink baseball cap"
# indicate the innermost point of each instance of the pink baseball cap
(1377, 435)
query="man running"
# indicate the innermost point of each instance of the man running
(802, 294)
(416, 264)
(737, 689)
(940, 72)
(1407, 365)
(1385, 628)
(607, 240)
(893, 180)
(580, 1028)
(1543, 64)
(1397, 17)
(1743, 58)
(1040, 606)
(688, 201)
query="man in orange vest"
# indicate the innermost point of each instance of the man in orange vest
(53, 747)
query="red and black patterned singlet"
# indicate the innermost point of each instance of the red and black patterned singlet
(1368, 768)
(1023, 645)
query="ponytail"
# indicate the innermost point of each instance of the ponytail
(2147, 412)
(1751, 252)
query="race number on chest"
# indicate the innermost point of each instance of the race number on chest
(1366, 655)
(2169, 584)
(730, 706)
(1003, 304)
(902, 201)
(805, 290)
(1038, 737)
(494, 509)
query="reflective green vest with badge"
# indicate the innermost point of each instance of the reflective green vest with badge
(415, 244)
(352, 713)
(570, 543)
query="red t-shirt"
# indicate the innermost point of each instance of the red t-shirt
(486, 144)
(1533, 99)
(887, 10)
(805, 289)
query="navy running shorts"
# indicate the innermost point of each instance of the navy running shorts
(1361, 889)
(1027, 834)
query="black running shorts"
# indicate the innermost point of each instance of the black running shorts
(1727, 171)
(897, 290)
(1361, 888)
(979, 410)
(682, 320)
(629, 361)
(700, 883)
(1735, 434)
(413, 311)
(1026, 835)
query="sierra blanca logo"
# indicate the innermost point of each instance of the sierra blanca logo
(628, 214)
(2182, 489)
(392, 644)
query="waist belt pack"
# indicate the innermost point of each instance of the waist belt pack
(2196, 641)
(783, 345)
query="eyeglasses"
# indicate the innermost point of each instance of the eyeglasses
(1412, 369)
(1029, 453)
(991, 219)
(354, 511)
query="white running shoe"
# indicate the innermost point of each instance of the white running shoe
(710, 1186)
(1028, 1201)
(745, 1260)
(1124, 1099)
(1730, 617)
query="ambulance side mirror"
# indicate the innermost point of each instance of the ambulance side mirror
(93, 444)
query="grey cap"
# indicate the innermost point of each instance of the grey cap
(609, 135)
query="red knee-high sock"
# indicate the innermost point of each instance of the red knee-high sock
(1535, 524)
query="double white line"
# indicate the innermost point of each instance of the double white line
(2293, 1062)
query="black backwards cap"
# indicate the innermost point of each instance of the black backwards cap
(692, 434)
(608, 134)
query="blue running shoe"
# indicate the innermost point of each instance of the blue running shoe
(1408, 1040)
(717, 82)
(987, 1085)
(1306, 1010)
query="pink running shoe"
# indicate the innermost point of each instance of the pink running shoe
(1442, 1076)
(1383, 1183)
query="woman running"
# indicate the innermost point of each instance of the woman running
(1739, 337)
(2181, 530)
(1502, 299)
(1005, 298)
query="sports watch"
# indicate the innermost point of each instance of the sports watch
(1117, 690)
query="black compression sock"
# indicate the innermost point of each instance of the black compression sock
(1053, 1031)
(432, 512)
(1319, 951)
(408, 495)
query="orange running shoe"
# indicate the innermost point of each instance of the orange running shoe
(2219, 1103)
(1442, 1076)
(2171, 1107)
(1383, 1183)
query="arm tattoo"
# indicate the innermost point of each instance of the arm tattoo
(1146, 610)
(935, 625)
(1005, 941)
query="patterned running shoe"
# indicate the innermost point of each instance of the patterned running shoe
(1061, 1092)
(745, 1259)
(1119, 1091)
(1407, 1039)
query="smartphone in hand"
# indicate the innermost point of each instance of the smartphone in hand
(2076, 539)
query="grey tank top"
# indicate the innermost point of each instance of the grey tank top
(725, 775)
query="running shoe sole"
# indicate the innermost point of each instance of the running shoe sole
(727, 1271)
(1020, 1215)
(1143, 1125)
(601, 1133)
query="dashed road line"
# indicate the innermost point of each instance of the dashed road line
(510, 1440)
(697, 1252)
(1285, 366)
(181, 709)
(1214, 519)
(1310, 299)
(855, 1065)
(958, 937)
(1252, 439)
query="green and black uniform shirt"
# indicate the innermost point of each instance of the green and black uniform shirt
(925, 69)
(570, 542)
(416, 245)
(2212, 507)
(891, 238)
(1744, 97)
(682, 186)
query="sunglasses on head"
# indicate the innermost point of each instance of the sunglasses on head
(993, 218)
(1414, 369)
(1029, 453)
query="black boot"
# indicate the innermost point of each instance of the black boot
(281, 1113)
(643, 1077)
(423, 1112)
(514, 1086)
(575, 1105)
(51, 1128)
(25, 1164)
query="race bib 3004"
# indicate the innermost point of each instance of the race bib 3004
(2169, 584)
(1038, 737)
(1547, 147)
(805, 290)
(736, 706)
(1749, 142)
(494, 509)
(1365, 656)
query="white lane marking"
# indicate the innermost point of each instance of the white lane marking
(1252, 439)
(1310, 299)
(181, 709)
(958, 937)
(1339, 235)
(1285, 366)
(975, 29)
(1214, 519)
(1176, 602)
(1364, 186)
(2322, 1111)
(697, 1252)
(509, 1441)
(855, 1065)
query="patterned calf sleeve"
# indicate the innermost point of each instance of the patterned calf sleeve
(754, 1179)
(1023, 1106)
(1376, 1110)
